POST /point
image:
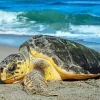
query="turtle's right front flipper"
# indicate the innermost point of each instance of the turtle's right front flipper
(34, 83)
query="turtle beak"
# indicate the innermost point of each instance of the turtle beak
(3, 73)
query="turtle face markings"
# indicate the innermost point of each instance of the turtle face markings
(12, 68)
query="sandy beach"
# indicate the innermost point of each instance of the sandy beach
(67, 90)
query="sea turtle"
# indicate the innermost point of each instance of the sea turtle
(44, 58)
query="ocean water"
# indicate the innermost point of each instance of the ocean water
(77, 20)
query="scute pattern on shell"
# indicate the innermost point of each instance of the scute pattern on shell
(67, 54)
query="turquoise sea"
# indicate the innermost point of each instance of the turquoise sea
(77, 20)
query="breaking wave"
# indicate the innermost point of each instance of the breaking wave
(50, 22)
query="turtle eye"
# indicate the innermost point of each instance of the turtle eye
(12, 67)
(1, 69)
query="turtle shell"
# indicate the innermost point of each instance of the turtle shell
(67, 54)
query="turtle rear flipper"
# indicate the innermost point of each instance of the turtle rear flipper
(34, 83)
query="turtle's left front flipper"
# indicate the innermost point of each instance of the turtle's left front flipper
(34, 83)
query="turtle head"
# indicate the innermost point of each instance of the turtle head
(12, 68)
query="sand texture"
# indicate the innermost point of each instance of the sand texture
(65, 90)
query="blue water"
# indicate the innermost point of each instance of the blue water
(77, 20)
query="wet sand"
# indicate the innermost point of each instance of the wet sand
(65, 90)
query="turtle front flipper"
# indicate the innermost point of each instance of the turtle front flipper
(35, 83)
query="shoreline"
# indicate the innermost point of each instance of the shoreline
(6, 51)
(17, 40)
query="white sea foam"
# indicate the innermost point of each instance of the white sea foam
(9, 24)
(7, 17)
(80, 31)
(86, 29)
(74, 32)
